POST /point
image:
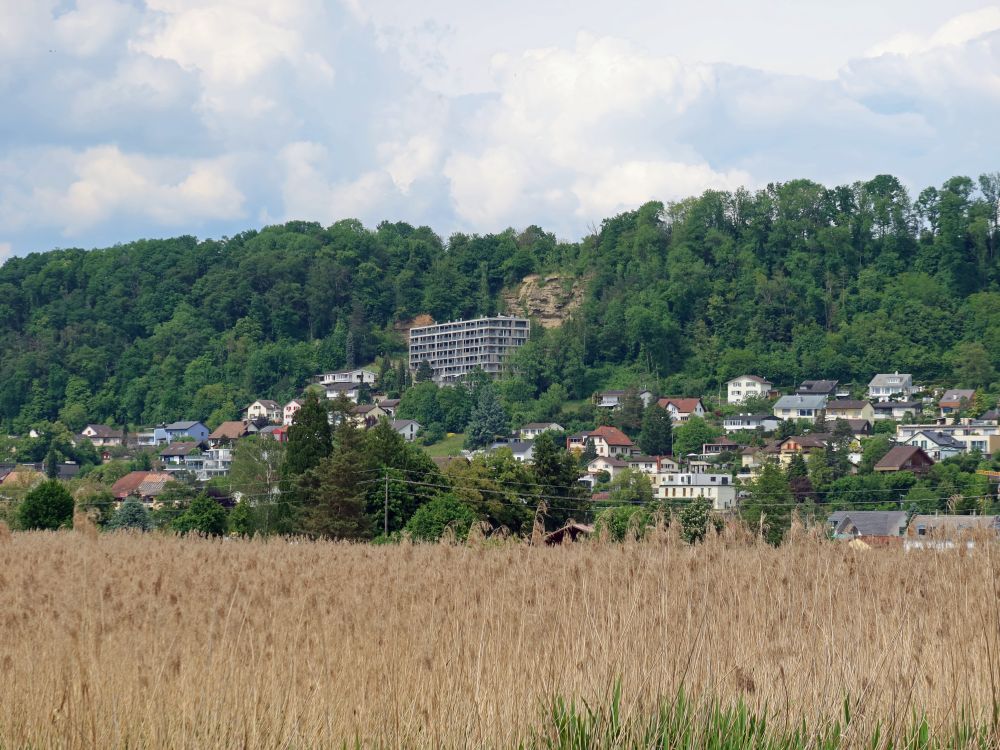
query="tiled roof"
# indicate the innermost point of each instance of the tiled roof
(683, 404)
(611, 435)
(229, 431)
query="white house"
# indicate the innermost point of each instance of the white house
(350, 390)
(101, 435)
(682, 409)
(613, 399)
(747, 386)
(522, 450)
(264, 409)
(886, 386)
(717, 488)
(737, 422)
(645, 464)
(937, 445)
(408, 428)
(346, 376)
(533, 429)
(897, 410)
(611, 465)
(290, 410)
(799, 406)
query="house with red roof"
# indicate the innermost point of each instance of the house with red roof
(682, 408)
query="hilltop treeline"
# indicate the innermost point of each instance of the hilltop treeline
(795, 280)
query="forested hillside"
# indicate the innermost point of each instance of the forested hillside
(797, 280)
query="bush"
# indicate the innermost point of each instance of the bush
(432, 518)
(132, 514)
(48, 506)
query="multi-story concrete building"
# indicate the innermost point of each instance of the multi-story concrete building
(455, 349)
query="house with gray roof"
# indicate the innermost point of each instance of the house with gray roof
(886, 386)
(851, 524)
(937, 445)
(799, 406)
(195, 430)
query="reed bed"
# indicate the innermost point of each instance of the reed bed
(152, 641)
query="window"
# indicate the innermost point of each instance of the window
(921, 530)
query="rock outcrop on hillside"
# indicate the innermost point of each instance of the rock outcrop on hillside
(549, 299)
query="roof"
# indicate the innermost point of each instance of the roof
(611, 435)
(517, 446)
(721, 441)
(940, 438)
(180, 449)
(267, 403)
(402, 424)
(144, 483)
(540, 425)
(341, 386)
(181, 425)
(103, 431)
(817, 386)
(388, 403)
(992, 414)
(364, 408)
(801, 401)
(683, 404)
(846, 403)
(890, 405)
(762, 381)
(610, 461)
(642, 459)
(229, 431)
(882, 379)
(899, 455)
(869, 522)
(812, 440)
(859, 425)
(957, 395)
(751, 416)
(571, 530)
(296, 401)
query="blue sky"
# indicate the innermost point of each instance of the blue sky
(125, 119)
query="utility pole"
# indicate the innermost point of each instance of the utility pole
(385, 515)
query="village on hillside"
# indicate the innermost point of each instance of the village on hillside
(638, 447)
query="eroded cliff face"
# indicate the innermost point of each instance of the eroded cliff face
(548, 299)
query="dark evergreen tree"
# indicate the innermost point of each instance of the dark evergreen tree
(309, 439)
(488, 420)
(333, 493)
(656, 437)
(47, 506)
(556, 473)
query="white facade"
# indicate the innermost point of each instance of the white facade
(289, 411)
(346, 376)
(717, 488)
(747, 386)
(453, 350)
(737, 422)
(264, 409)
(884, 387)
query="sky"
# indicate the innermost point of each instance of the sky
(125, 119)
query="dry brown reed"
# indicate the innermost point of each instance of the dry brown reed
(150, 641)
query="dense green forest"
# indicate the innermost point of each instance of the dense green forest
(796, 280)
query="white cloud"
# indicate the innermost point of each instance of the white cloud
(6, 251)
(956, 31)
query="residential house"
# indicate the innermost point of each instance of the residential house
(102, 436)
(613, 399)
(346, 376)
(289, 410)
(152, 437)
(843, 408)
(897, 410)
(747, 386)
(368, 415)
(974, 434)
(990, 417)
(277, 432)
(884, 387)
(183, 457)
(859, 427)
(228, 433)
(826, 388)
(568, 533)
(523, 450)
(955, 400)
(719, 446)
(717, 488)
(408, 428)
(389, 406)
(178, 430)
(143, 485)
(610, 441)
(945, 525)
(800, 406)
(351, 391)
(937, 445)
(852, 524)
(801, 445)
(264, 410)
(665, 464)
(682, 408)
(644, 464)
(22, 477)
(533, 429)
(764, 422)
(609, 464)
(910, 458)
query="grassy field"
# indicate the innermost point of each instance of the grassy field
(451, 445)
(155, 641)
